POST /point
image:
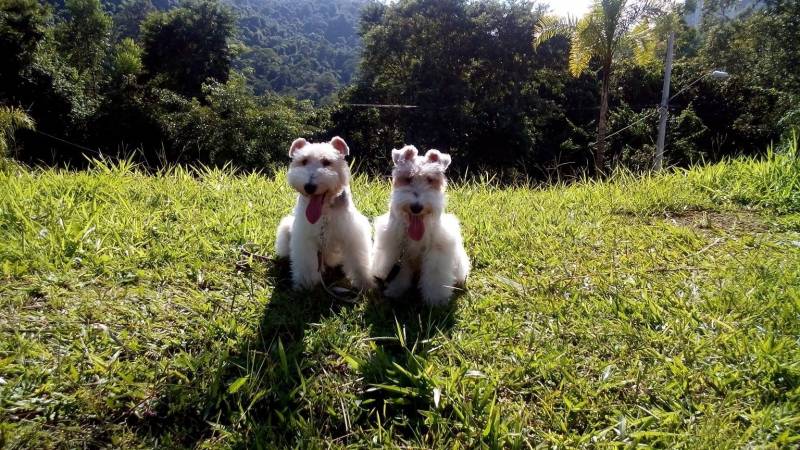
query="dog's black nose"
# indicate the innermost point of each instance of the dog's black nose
(416, 208)
(310, 188)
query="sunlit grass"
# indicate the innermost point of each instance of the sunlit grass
(661, 310)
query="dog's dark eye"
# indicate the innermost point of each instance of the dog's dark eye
(304, 162)
(326, 162)
(408, 180)
(431, 180)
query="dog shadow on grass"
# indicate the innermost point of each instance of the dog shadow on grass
(253, 391)
(409, 316)
(261, 391)
(398, 384)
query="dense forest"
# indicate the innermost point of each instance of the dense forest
(307, 48)
(502, 84)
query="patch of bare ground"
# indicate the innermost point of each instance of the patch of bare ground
(740, 222)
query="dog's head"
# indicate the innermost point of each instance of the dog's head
(418, 185)
(318, 172)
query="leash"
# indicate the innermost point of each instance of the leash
(339, 293)
(395, 270)
(248, 251)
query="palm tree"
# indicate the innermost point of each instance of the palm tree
(607, 32)
(12, 119)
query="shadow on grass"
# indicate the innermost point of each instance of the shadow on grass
(399, 381)
(254, 391)
(419, 321)
(259, 395)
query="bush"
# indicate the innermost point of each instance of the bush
(233, 125)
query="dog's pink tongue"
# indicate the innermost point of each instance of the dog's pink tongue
(416, 227)
(314, 208)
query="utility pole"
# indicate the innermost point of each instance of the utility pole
(663, 109)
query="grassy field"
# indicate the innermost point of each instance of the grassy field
(662, 311)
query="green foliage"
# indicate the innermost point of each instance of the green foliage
(233, 125)
(83, 38)
(127, 59)
(790, 122)
(477, 87)
(761, 53)
(60, 97)
(187, 46)
(305, 48)
(763, 48)
(489, 81)
(11, 120)
(22, 28)
(129, 17)
(656, 311)
(611, 31)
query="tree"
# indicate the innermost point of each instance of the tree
(126, 60)
(22, 27)
(85, 38)
(763, 47)
(129, 18)
(235, 126)
(305, 48)
(187, 46)
(470, 70)
(34, 73)
(604, 34)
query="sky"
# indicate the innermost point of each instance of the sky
(572, 7)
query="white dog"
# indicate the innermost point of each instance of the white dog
(326, 229)
(416, 234)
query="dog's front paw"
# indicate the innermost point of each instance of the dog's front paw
(395, 289)
(305, 281)
(436, 294)
(365, 285)
(393, 292)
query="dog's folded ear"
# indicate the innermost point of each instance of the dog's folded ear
(339, 144)
(297, 144)
(407, 153)
(435, 156)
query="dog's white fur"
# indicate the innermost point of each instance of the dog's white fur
(346, 240)
(439, 256)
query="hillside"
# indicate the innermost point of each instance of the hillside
(305, 48)
(659, 311)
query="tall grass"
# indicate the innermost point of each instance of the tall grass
(658, 311)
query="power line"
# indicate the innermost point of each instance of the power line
(371, 105)
(688, 86)
(641, 119)
(91, 150)
(66, 141)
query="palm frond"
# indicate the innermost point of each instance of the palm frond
(584, 44)
(642, 43)
(579, 58)
(550, 26)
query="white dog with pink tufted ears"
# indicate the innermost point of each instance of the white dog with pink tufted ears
(416, 235)
(326, 229)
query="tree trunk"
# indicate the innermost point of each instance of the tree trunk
(600, 147)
